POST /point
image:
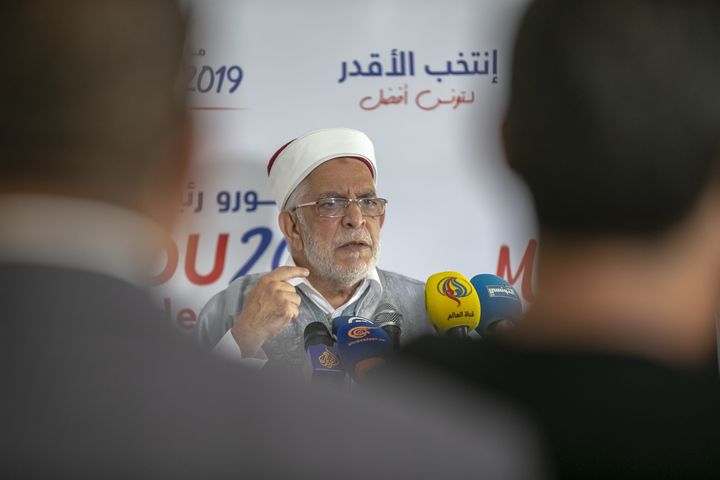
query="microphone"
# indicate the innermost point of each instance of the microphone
(322, 366)
(344, 320)
(362, 346)
(452, 304)
(389, 319)
(316, 333)
(500, 303)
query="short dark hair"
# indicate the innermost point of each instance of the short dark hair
(614, 114)
(91, 88)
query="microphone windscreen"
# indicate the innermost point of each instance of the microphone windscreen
(389, 319)
(451, 302)
(387, 314)
(498, 300)
(316, 333)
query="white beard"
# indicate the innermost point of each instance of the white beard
(320, 257)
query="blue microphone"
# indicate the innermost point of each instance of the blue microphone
(362, 346)
(344, 320)
(500, 304)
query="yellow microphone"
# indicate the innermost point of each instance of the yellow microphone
(452, 304)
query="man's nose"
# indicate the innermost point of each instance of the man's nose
(353, 217)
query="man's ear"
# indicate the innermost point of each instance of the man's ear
(290, 228)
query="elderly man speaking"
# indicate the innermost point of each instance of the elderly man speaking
(331, 217)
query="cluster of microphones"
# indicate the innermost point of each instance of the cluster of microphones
(353, 346)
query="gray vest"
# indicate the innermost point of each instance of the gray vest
(404, 293)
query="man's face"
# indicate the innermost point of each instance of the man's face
(341, 249)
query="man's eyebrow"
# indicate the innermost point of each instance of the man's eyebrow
(332, 194)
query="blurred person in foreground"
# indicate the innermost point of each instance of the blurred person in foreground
(614, 123)
(325, 185)
(94, 144)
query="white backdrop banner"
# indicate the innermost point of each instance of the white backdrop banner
(427, 81)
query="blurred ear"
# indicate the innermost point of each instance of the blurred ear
(290, 227)
(711, 219)
(700, 231)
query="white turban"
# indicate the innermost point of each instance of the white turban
(296, 159)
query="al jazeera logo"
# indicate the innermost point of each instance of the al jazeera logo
(328, 359)
(359, 332)
(454, 288)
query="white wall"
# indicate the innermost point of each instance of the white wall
(453, 204)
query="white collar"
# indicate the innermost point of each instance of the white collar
(371, 281)
(77, 233)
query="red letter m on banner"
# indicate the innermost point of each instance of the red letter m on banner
(525, 269)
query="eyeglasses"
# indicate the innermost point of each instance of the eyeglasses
(336, 207)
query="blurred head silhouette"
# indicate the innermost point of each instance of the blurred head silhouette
(93, 102)
(614, 124)
(614, 116)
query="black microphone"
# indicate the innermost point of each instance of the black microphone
(316, 333)
(389, 319)
(322, 365)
